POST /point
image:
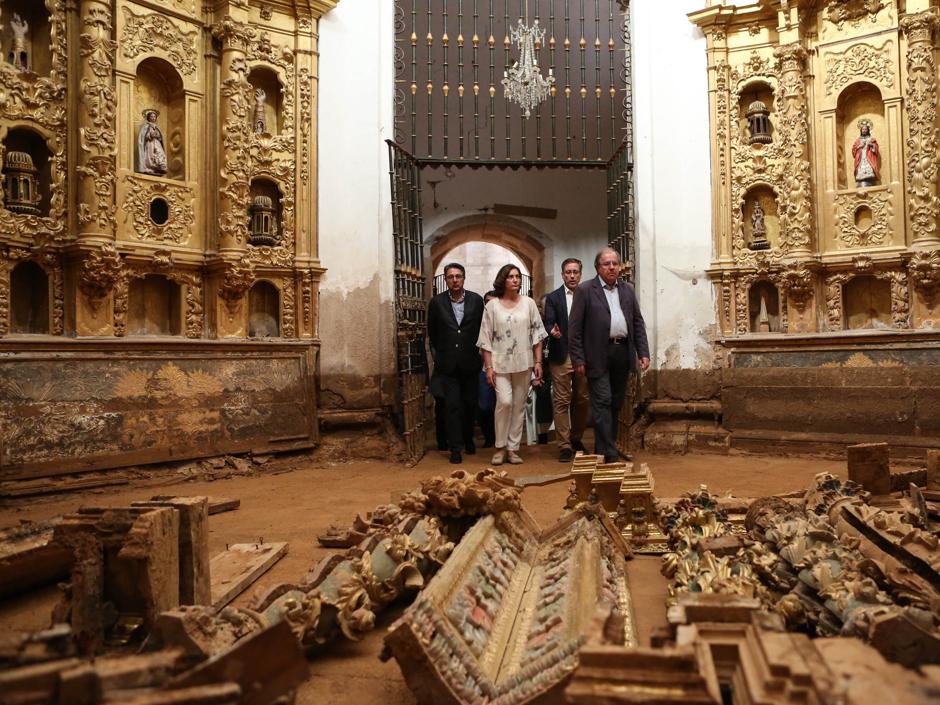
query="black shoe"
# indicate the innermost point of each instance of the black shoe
(624, 456)
(565, 455)
(611, 458)
(542, 439)
(470, 448)
(455, 457)
(578, 447)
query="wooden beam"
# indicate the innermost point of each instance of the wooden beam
(234, 570)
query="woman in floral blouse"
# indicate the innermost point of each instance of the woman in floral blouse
(511, 342)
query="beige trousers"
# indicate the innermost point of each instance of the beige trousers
(512, 390)
(570, 414)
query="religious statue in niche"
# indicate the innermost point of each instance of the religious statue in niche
(151, 151)
(19, 53)
(758, 228)
(258, 118)
(867, 156)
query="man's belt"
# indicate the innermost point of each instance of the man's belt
(620, 340)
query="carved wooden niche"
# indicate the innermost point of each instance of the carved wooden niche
(755, 113)
(267, 99)
(154, 306)
(866, 302)
(29, 299)
(264, 307)
(764, 308)
(26, 172)
(159, 88)
(264, 223)
(860, 104)
(25, 36)
(761, 218)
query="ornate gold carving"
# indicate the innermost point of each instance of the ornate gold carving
(797, 283)
(841, 11)
(233, 221)
(162, 263)
(100, 271)
(924, 272)
(900, 298)
(922, 141)
(147, 33)
(859, 60)
(238, 278)
(97, 132)
(848, 204)
(863, 264)
(721, 118)
(306, 297)
(306, 92)
(179, 199)
(834, 299)
(796, 216)
(726, 287)
(288, 308)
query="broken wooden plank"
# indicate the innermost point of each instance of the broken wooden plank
(238, 567)
(217, 505)
(30, 558)
(266, 664)
(11, 490)
(541, 480)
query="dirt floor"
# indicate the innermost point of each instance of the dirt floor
(295, 498)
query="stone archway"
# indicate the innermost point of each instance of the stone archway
(518, 237)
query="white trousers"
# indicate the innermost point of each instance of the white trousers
(512, 390)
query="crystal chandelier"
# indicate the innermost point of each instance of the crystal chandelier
(524, 83)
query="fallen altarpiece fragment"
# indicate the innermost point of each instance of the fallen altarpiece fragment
(505, 618)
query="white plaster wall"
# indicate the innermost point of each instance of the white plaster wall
(673, 182)
(356, 76)
(578, 195)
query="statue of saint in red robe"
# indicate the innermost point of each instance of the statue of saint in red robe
(867, 157)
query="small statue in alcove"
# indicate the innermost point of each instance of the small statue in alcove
(867, 156)
(19, 53)
(758, 228)
(151, 150)
(258, 117)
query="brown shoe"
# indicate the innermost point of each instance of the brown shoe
(499, 457)
(514, 458)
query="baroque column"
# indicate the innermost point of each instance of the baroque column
(922, 142)
(235, 140)
(796, 206)
(96, 124)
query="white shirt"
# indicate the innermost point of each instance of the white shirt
(569, 297)
(618, 324)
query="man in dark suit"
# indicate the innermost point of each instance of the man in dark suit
(454, 318)
(569, 391)
(606, 335)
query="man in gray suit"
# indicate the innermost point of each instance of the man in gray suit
(606, 335)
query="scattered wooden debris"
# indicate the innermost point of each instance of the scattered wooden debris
(234, 570)
(216, 505)
(29, 557)
(51, 485)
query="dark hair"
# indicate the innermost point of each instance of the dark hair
(597, 257)
(568, 261)
(454, 265)
(499, 284)
(490, 295)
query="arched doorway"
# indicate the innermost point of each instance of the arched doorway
(482, 261)
(518, 238)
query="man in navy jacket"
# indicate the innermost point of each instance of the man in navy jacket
(606, 335)
(569, 391)
(454, 319)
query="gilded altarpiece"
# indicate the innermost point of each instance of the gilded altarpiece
(793, 204)
(107, 246)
